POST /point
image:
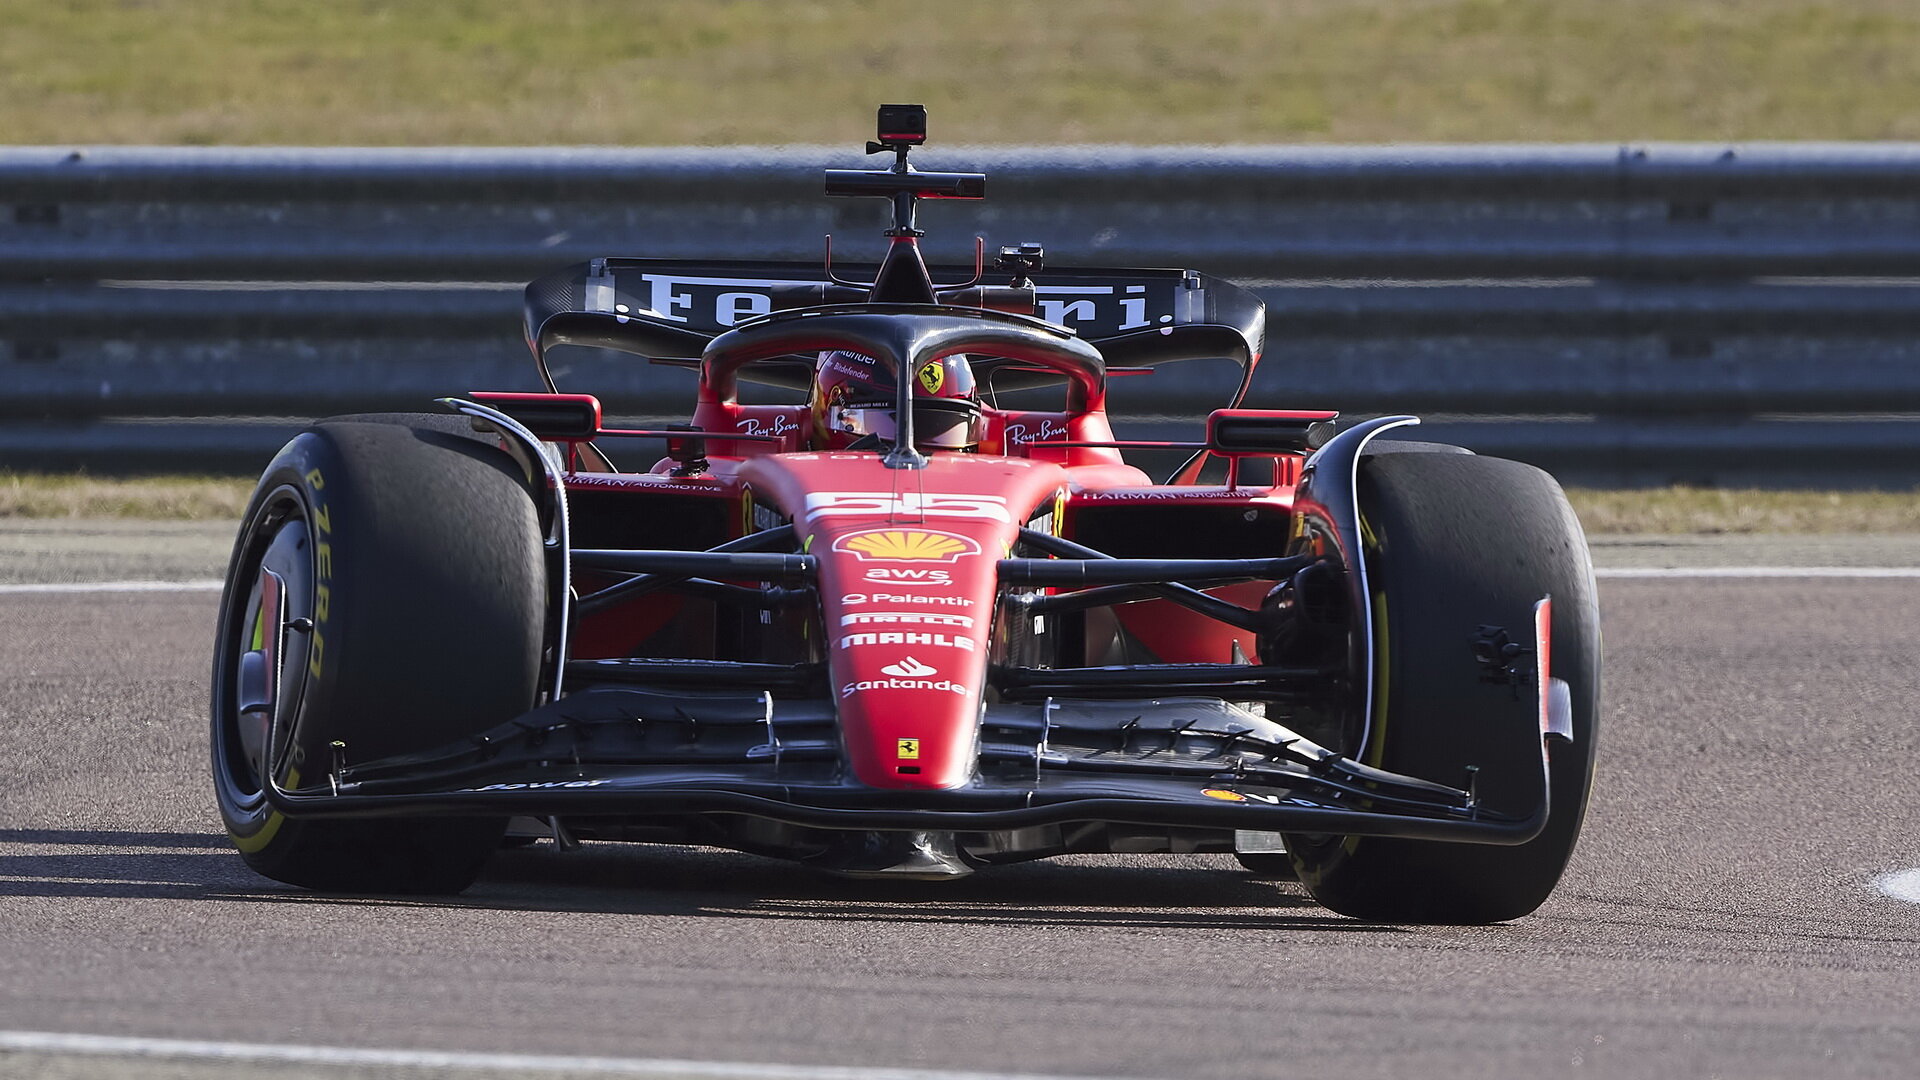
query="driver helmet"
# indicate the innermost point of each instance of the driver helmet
(853, 397)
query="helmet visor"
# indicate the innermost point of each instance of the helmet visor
(938, 424)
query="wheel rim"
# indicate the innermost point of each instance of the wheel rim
(278, 541)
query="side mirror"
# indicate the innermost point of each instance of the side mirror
(1268, 431)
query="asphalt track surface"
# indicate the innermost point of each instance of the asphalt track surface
(1760, 769)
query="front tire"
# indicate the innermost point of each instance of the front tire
(411, 563)
(1453, 542)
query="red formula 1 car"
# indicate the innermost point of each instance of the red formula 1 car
(896, 625)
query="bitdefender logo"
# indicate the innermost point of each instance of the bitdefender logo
(910, 669)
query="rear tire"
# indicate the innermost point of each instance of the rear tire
(416, 556)
(1390, 445)
(1454, 541)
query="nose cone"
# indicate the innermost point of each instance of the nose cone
(908, 610)
(908, 573)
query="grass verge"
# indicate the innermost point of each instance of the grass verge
(505, 72)
(159, 498)
(1673, 510)
(1728, 511)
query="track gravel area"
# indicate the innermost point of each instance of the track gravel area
(1757, 776)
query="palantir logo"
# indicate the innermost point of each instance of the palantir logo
(909, 668)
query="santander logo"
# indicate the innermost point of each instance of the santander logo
(908, 674)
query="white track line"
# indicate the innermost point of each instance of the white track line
(204, 585)
(42, 1042)
(1902, 885)
(1757, 572)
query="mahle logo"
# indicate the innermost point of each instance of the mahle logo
(908, 637)
(905, 545)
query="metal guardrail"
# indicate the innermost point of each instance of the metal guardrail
(1681, 311)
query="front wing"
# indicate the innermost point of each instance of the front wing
(1176, 762)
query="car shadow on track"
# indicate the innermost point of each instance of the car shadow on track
(652, 880)
(114, 838)
(120, 864)
(1077, 891)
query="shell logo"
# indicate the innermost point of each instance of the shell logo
(905, 545)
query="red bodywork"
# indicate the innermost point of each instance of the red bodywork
(908, 561)
(893, 628)
(910, 544)
(907, 621)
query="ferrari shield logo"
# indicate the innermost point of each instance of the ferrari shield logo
(933, 376)
(909, 749)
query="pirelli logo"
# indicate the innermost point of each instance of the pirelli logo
(922, 618)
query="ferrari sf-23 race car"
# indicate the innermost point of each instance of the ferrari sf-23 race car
(916, 618)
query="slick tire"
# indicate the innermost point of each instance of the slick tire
(1454, 542)
(1409, 446)
(414, 587)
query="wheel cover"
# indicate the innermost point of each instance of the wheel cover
(279, 541)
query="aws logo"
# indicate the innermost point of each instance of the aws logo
(905, 545)
(909, 575)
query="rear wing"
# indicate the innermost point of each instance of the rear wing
(667, 309)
